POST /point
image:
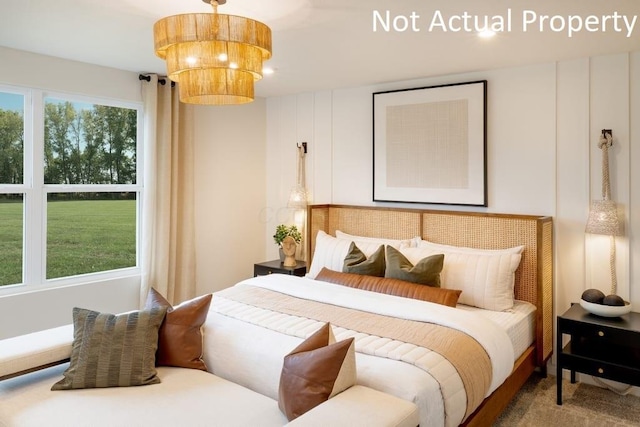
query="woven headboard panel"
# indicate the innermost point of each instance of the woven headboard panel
(534, 277)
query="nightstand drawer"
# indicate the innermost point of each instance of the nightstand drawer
(601, 335)
(261, 270)
(599, 368)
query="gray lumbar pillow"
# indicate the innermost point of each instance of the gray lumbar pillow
(426, 271)
(356, 262)
(113, 350)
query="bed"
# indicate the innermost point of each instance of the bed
(263, 317)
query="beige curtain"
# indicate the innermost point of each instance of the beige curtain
(168, 236)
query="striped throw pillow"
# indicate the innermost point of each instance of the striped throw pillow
(113, 350)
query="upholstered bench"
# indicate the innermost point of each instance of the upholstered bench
(188, 397)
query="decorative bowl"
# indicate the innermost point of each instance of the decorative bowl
(606, 310)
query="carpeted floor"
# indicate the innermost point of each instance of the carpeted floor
(583, 405)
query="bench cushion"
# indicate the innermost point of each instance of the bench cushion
(43, 348)
(188, 397)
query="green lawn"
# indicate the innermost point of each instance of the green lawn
(82, 237)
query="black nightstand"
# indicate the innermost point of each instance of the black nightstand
(606, 347)
(275, 266)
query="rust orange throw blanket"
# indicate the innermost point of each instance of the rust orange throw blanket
(467, 356)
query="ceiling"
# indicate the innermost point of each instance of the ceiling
(325, 44)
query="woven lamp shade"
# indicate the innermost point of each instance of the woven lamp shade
(603, 218)
(214, 58)
(298, 198)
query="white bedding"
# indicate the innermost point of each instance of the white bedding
(519, 323)
(256, 341)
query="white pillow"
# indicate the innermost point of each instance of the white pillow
(396, 243)
(486, 279)
(331, 251)
(441, 247)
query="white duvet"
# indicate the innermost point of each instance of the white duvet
(256, 340)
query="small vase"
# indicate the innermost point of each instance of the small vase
(281, 254)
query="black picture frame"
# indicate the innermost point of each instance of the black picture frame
(430, 145)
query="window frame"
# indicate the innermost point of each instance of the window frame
(35, 192)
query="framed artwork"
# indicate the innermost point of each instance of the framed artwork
(430, 145)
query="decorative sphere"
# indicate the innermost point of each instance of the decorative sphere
(613, 300)
(595, 296)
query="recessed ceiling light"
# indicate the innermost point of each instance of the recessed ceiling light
(486, 34)
(267, 70)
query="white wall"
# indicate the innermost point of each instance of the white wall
(544, 123)
(230, 193)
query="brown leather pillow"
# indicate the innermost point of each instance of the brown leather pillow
(397, 287)
(180, 337)
(315, 371)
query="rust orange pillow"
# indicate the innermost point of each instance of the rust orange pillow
(397, 287)
(180, 335)
(315, 371)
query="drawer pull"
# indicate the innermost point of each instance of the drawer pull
(600, 371)
(600, 333)
(269, 272)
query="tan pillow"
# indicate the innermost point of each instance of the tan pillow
(180, 336)
(315, 371)
(400, 288)
(357, 262)
(112, 350)
(426, 271)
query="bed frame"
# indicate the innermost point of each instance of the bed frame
(534, 277)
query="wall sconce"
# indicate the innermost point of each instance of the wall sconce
(298, 196)
(603, 214)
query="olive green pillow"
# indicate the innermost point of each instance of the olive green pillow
(426, 271)
(113, 350)
(356, 262)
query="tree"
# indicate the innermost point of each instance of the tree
(90, 146)
(11, 147)
(58, 118)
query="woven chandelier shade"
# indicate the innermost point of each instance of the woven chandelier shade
(214, 58)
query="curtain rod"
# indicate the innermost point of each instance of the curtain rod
(161, 80)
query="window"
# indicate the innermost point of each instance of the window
(69, 188)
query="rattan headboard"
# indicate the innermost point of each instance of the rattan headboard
(534, 277)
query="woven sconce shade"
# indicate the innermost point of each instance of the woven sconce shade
(214, 58)
(298, 196)
(603, 218)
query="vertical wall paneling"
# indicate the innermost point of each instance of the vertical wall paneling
(353, 146)
(521, 136)
(572, 185)
(544, 121)
(609, 109)
(633, 231)
(320, 164)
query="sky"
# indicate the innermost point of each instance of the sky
(15, 102)
(11, 101)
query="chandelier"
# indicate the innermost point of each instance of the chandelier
(214, 58)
